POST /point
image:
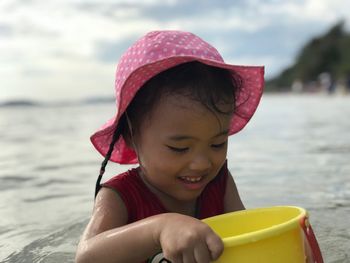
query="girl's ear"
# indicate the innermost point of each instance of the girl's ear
(129, 134)
(129, 140)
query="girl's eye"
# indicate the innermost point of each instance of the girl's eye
(220, 145)
(178, 150)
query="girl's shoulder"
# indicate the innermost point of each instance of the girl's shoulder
(139, 201)
(130, 176)
(128, 185)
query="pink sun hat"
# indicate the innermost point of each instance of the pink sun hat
(158, 51)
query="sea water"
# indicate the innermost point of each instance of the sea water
(295, 151)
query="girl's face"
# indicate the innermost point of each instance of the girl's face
(181, 147)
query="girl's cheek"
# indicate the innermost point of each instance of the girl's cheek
(221, 158)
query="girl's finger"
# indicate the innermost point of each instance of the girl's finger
(188, 256)
(202, 254)
(173, 257)
(215, 246)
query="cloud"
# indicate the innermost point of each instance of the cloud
(6, 30)
(58, 43)
(111, 51)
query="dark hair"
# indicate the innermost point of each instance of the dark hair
(211, 86)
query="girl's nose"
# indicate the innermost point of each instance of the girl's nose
(200, 163)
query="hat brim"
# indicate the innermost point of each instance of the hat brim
(247, 101)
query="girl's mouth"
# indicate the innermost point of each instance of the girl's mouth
(191, 179)
(193, 182)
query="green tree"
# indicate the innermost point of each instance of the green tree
(327, 53)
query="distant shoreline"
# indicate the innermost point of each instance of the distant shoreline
(13, 103)
(36, 103)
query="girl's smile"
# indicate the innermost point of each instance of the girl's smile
(193, 182)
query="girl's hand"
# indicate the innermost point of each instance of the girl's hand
(184, 239)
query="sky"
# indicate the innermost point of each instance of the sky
(59, 50)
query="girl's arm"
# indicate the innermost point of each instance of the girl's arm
(232, 201)
(107, 237)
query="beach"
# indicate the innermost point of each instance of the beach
(295, 151)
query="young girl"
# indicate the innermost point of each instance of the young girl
(177, 103)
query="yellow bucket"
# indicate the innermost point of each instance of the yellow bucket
(273, 234)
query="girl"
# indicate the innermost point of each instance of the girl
(177, 103)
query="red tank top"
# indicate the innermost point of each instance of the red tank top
(141, 203)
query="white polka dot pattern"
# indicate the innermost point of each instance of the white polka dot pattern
(158, 51)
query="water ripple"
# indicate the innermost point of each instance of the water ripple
(44, 198)
(57, 247)
(55, 182)
(47, 167)
(333, 149)
(14, 181)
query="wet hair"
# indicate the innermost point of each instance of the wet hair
(211, 86)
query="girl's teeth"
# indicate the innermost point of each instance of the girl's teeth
(192, 179)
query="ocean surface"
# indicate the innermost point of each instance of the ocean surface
(295, 151)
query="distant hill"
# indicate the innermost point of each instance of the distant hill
(19, 103)
(327, 53)
(13, 103)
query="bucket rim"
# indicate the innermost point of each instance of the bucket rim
(264, 233)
